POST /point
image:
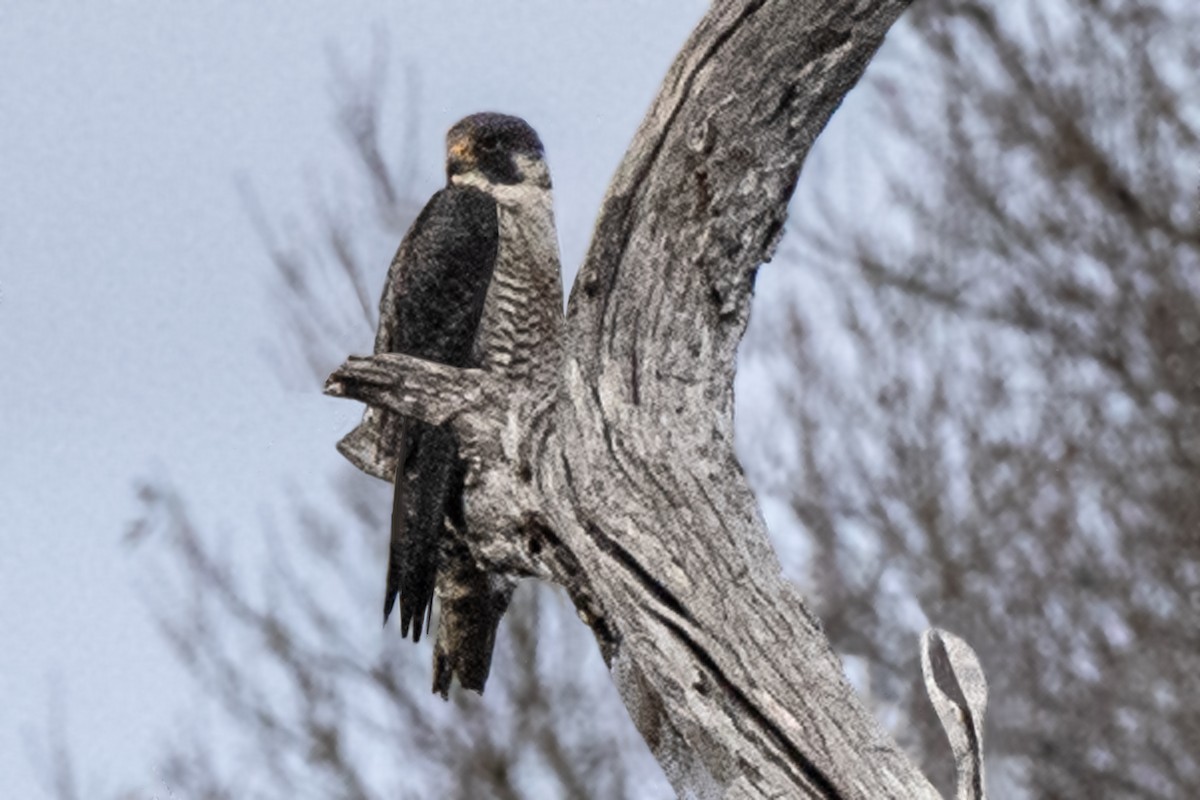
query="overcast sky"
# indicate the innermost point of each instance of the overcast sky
(134, 295)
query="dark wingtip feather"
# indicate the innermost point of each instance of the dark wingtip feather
(397, 550)
(416, 629)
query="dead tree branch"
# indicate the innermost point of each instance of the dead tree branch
(620, 481)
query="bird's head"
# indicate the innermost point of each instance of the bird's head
(497, 148)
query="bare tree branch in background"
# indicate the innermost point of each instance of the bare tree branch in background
(997, 405)
(326, 708)
(51, 753)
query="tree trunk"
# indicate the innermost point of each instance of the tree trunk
(623, 486)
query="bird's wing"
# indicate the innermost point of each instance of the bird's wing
(431, 307)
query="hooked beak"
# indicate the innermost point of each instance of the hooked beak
(460, 157)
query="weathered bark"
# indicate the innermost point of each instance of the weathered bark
(958, 691)
(622, 485)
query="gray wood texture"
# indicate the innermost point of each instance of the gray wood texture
(958, 690)
(614, 475)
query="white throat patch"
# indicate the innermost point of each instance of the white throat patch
(533, 190)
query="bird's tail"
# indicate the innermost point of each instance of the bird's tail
(473, 601)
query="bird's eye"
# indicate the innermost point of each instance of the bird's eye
(489, 144)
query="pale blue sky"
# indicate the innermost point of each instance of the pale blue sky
(133, 289)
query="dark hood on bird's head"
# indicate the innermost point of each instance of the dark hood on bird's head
(488, 142)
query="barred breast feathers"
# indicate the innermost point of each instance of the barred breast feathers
(522, 316)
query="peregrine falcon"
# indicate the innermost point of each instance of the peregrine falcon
(475, 283)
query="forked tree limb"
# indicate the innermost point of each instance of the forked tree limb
(412, 387)
(625, 488)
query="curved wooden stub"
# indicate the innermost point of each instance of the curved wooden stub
(958, 690)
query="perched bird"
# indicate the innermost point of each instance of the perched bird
(475, 283)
